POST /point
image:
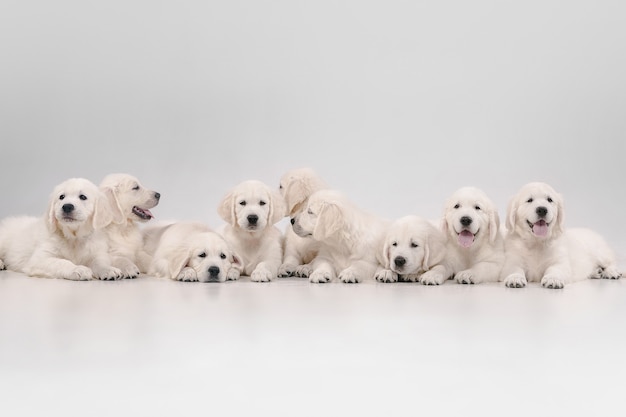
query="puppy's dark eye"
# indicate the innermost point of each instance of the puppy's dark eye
(530, 200)
(414, 245)
(202, 255)
(280, 187)
(82, 197)
(309, 212)
(394, 244)
(62, 196)
(262, 203)
(549, 199)
(457, 206)
(222, 255)
(242, 203)
(136, 187)
(477, 207)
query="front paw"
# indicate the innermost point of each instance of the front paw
(261, 275)
(409, 278)
(130, 272)
(187, 275)
(432, 278)
(2, 265)
(320, 277)
(304, 271)
(386, 275)
(515, 281)
(286, 270)
(348, 276)
(80, 273)
(465, 277)
(610, 272)
(233, 274)
(553, 282)
(108, 274)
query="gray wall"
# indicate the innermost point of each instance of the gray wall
(397, 103)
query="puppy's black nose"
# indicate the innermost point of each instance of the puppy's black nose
(399, 261)
(466, 221)
(157, 195)
(68, 208)
(541, 211)
(293, 221)
(253, 218)
(214, 271)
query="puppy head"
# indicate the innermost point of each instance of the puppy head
(296, 186)
(323, 216)
(470, 216)
(209, 255)
(77, 206)
(129, 200)
(252, 206)
(412, 245)
(536, 211)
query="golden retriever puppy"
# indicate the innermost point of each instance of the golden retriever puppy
(296, 186)
(538, 249)
(411, 247)
(251, 209)
(475, 246)
(67, 242)
(131, 203)
(350, 238)
(188, 251)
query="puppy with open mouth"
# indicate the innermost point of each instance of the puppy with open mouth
(474, 244)
(539, 249)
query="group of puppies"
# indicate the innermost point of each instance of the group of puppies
(93, 231)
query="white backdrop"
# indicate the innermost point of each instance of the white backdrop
(396, 103)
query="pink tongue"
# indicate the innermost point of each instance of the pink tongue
(148, 212)
(540, 228)
(466, 238)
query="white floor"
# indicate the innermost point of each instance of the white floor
(151, 347)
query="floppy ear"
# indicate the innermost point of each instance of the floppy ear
(277, 208)
(330, 220)
(382, 254)
(434, 250)
(511, 214)
(117, 214)
(494, 225)
(102, 214)
(226, 209)
(178, 260)
(558, 227)
(51, 219)
(295, 193)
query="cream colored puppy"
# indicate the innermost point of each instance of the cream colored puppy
(65, 243)
(296, 186)
(350, 239)
(188, 251)
(251, 209)
(538, 249)
(475, 246)
(131, 203)
(412, 246)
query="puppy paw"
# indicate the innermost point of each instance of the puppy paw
(286, 270)
(80, 273)
(320, 277)
(465, 277)
(261, 275)
(233, 274)
(409, 278)
(386, 275)
(515, 281)
(348, 276)
(108, 274)
(2, 265)
(552, 282)
(187, 275)
(610, 272)
(304, 271)
(432, 278)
